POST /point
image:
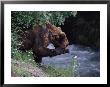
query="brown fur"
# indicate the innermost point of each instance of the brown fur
(39, 38)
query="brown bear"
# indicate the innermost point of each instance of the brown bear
(39, 38)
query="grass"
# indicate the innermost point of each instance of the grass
(22, 57)
(51, 71)
(27, 57)
(57, 72)
(21, 69)
(20, 72)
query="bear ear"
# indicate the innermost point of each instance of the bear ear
(37, 26)
(47, 22)
(59, 28)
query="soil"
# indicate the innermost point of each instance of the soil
(31, 70)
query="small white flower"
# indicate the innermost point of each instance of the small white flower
(19, 44)
(29, 59)
(75, 57)
(23, 62)
(28, 55)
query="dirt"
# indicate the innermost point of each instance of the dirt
(28, 68)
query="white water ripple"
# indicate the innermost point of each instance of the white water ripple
(87, 59)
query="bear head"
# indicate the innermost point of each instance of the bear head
(57, 36)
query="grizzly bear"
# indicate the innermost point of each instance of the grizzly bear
(39, 38)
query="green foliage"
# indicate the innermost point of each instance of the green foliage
(23, 56)
(26, 19)
(57, 72)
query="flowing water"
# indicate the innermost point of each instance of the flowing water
(87, 60)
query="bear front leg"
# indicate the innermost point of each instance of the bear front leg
(61, 51)
(44, 52)
(37, 58)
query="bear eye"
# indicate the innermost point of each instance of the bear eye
(56, 36)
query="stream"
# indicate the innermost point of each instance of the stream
(87, 60)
